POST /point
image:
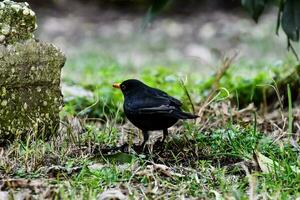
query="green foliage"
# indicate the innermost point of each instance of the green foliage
(213, 170)
(245, 90)
(233, 142)
(105, 105)
(96, 178)
(290, 19)
(254, 7)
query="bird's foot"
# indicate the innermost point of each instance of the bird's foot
(126, 148)
(158, 147)
(141, 149)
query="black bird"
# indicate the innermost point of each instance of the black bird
(149, 108)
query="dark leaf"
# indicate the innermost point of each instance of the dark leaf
(254, 7)
(280, 9)
(158, 6)
(290, 20)
(154, 10)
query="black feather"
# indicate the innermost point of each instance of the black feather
(150, 108)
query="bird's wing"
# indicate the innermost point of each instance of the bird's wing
(155, 110)
(152, 101)
(149, 101)
(167, 110)
(160, 93)
(151, 104)
(157, 102)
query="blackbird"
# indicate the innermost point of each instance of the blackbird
(149, 108)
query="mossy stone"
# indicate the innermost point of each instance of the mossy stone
(30, 73)
(17, 22)
(30, 95)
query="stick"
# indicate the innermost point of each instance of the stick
(211, 96)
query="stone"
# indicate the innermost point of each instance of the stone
(30, 95)
(30, 74)
(17, 22)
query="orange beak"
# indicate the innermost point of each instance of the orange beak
(116, 85)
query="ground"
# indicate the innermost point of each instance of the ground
(234, 150)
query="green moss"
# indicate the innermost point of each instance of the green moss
(30, 96)
(17, 22)
(30, 62)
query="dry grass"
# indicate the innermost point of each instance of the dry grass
(204, 160)
(227, 153)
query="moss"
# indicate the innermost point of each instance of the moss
(30, 62)
(29, 111)
(30, 71)
(30, 96)
(17, 22)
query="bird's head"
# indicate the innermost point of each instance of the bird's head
(130, 86)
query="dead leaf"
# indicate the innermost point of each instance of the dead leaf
(166, 170)
(23, 195)
(249, 108)
(112, 194)
(26, 189)
(57, 170)
(20, 183)
(5, 195)
(268, 165)
(96, 166)
(153, 187)
(265, 164)
(163, 169)
(145, 172)
(218, 196)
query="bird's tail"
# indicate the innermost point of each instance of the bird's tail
(185, 115)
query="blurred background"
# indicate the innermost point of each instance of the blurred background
(111, 40)
(188, 33)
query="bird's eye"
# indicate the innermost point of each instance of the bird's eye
(123, 87)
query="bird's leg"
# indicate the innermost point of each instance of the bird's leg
(146, 137)
(160, 144)
(165, 134)
(140, 148)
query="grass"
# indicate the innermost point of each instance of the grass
(222, 157)
(205, 164)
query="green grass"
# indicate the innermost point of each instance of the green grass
(208, 160)
(209, 165)
(96, 73)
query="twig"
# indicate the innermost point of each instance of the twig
(211, 96)
(187, 94)
(290, 111)
(82, 111)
